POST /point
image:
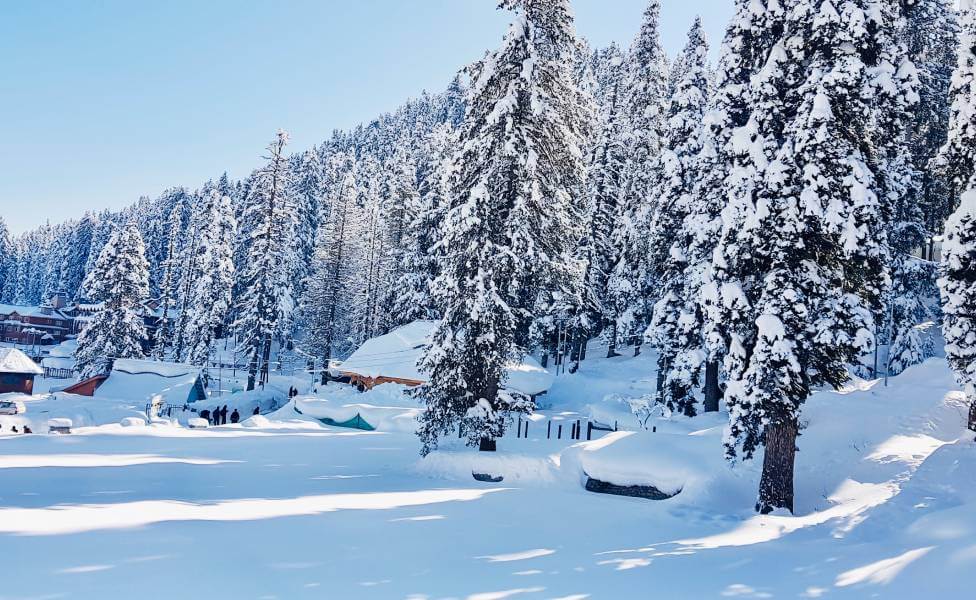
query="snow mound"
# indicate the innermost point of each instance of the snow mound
(463, 464)
(132, 422)
(672, 463)
(256, 422)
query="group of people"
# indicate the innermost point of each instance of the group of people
(14, 429)
(219, 415)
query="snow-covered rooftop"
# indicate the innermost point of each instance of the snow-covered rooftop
(147, 380)
(396, 354)
(33, 311)
(15, 361)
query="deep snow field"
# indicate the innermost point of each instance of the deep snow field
(282, 506)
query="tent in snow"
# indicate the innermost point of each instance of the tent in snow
(154, 382)
(392, 358)
(17, 371)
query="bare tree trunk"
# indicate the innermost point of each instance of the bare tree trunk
(612, 345)
(266, 358)
(776, 485)
(325, 362)
(662, 372)
(712, 390)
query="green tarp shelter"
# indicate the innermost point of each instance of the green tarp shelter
(357, 422)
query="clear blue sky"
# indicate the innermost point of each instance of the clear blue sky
(104, 101)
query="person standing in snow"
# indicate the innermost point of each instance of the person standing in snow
(205, 414)
(223, 415)
(235, 416)
(257, 410)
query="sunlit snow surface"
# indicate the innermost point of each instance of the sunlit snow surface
(287, 508)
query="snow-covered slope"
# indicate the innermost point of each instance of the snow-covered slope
(886, 498)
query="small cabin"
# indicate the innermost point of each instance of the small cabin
(17, 372)
(392, 358)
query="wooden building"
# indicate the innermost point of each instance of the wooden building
(17, 372)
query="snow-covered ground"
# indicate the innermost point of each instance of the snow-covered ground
(282, 506)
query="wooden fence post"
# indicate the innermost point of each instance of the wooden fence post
(559, 432)
(549, 430)
(589, 431)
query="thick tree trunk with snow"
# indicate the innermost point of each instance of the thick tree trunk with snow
(612, 343)
(252, 368)
(776, 485)
(712, 391)
(972, 413)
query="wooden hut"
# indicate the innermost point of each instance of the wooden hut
(17, 372)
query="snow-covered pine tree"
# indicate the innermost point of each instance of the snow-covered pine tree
(81, 239)
(604, 180)
(306, 192)
(606, 66)
(163, 339)
(631, 285)
(802, 259)
(723, 170)
(120, 281)
(512, 223)
(958, 286)
(932, 39)
(9, 292)
(104, 227)
(372, 258)
(956, 163)
(418, 260)
(188, 266)
(674, 328)
(211, 292)
(902, 122)
(325, 301)
(8, 258)
(265, 302)
(400, 209)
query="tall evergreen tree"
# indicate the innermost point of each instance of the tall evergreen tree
(163, 340)
(604, 181)
(958, 286)
(419, 257)
(802, 262)
(120, 281)
(265, 302)
(325, 301)
(646, 77)
(673, 329)
(956, 162)
(512, 223)
(211, 292)
(8, 257)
